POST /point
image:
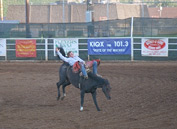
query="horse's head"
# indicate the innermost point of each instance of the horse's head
(106, 89)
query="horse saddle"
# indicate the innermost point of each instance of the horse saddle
(89, 64)
(76, 67)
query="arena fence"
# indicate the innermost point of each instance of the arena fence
(137, 29)
(45, 50)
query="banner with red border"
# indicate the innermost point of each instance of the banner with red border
(154, 47)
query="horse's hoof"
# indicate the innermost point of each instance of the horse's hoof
(81, 109)
(62, 98)
(58, 98)
(98, 110)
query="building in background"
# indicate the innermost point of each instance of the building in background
(163, 12)
(74, 12)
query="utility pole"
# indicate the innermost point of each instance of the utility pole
(107, 8)
(27, 10)
(1, 10)
(63, 11)
(27, 19)
(142, 5)
(107, 18)
(160, 10)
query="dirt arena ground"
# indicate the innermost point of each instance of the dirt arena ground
(144, 96)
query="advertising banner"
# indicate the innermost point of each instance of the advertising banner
(119, 46)
(2, 47)
(69, 44)
(154, 47)
(25, 48)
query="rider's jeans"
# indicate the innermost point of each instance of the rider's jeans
(83, 70)
(95, 67)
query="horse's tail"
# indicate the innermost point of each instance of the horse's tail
(62, 51)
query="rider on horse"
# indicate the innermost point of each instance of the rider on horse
(72, 60)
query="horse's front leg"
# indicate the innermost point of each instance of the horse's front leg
(95, 101)
(82, 99)
(63, 87)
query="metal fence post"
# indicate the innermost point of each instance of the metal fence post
(6, 50)
(46, 49)
(132, 53)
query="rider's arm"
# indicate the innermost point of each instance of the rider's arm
(62, 57)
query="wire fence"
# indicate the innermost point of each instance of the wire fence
(142, 27)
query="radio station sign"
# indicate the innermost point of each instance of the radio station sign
(119, 46)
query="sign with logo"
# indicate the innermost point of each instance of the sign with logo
(109, 46)
(154, 47)
(2, 47)
(69, 44)
(103, 18)
(25, 48)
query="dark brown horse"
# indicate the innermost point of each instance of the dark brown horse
(90, 85)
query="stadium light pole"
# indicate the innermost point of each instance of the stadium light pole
(1, 9)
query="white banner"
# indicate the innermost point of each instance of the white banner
(68, 44)
(154, 47)
(2, 47)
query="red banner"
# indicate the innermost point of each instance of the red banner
(25, 48)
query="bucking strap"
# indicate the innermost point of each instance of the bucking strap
(89, 64)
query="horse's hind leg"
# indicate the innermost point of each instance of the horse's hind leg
(82, 93)
(58, 87)
(64, 86)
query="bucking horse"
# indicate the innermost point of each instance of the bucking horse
(90, 85)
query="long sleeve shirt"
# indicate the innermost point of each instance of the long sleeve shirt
(70, 60)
